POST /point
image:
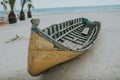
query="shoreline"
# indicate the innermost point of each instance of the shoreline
(37, 14)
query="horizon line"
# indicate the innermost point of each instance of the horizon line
(73, 6)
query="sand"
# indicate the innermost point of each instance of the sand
(100, 62)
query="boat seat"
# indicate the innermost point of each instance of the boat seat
(85, 31)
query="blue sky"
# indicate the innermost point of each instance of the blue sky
(66, 3)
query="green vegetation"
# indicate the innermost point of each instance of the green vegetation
(22, 14)
(29, 10)
(12, 16)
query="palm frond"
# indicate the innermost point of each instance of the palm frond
(23, 2)
(30, 6)
(11, 3)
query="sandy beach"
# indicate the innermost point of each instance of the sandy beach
(100, 62)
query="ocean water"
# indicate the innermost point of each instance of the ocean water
(71, 9)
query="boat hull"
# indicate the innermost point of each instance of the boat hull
(59, 43)
(42, 55)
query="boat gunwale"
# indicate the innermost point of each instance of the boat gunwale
(57, 43)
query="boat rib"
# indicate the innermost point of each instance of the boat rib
(59, 43)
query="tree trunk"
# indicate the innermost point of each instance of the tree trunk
(22, 15)
(29, 15)
(12, 17)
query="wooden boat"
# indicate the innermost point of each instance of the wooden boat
(59, 43)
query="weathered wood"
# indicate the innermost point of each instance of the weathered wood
(42, 55)
(59, 43)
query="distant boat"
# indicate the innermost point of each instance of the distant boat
(59, 43)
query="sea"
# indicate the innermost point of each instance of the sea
(71, 9)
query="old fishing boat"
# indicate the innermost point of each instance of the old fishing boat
(59, 43)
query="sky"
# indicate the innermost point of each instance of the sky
(71, 3)
(66, 3)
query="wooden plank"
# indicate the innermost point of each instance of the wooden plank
(68, 32)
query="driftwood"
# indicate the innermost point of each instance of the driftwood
(13, 39)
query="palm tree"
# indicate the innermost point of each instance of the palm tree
(4, 4)
(22, 14)
(12, 16)
(29, 15)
